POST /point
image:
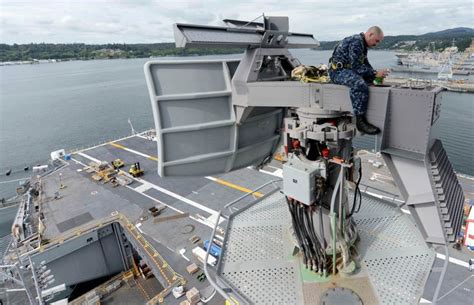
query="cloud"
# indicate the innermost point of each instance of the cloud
(135, 21)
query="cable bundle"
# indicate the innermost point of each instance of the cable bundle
(314, 255)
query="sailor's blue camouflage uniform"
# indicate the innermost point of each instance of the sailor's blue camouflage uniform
(354, 70)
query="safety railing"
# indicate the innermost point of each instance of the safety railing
(219, 289)
(392, 198)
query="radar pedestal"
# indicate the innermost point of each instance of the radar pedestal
(227, 114)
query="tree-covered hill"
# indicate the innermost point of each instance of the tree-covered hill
(438, 40)
(41, 51)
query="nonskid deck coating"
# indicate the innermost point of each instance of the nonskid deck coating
(203, 191)
(83, 196)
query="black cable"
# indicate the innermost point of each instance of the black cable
(301, 225)
(296, 228)
(321, 226)
(311, 228)
(316, 240)
(294, 222)
(356, 192)
(307, 226)
(360, 199)
(306, 238)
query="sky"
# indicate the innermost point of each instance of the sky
(150, 21)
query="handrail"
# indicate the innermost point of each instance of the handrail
(206, 272)
(393, 198)
(228, 205)
(251, 192)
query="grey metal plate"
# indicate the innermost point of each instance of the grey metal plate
(195, 120)
(74, 222)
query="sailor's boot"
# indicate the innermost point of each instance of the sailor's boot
(364, 126)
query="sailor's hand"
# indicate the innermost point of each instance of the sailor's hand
(382, 73)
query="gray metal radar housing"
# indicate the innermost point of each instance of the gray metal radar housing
(213, 116)
(199, 125)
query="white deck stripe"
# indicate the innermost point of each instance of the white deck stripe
(154, 199)
(133, 151)
(146, 138)
(276, 173)
(89, 157)
(142, 188)
(453, 260)
(179, 197)
(202, 222)
(165, 191)
(213, 219)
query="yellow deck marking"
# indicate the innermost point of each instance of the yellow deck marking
(220, 181)
(117, 145)
(237, 187)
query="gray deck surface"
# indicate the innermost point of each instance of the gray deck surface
(201, 197)
(142, 292)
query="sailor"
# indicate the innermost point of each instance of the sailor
(349, 66)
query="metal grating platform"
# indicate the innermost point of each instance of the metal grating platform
(257, 261)
(258, 266)
(393, 251)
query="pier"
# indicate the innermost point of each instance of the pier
(451, 85)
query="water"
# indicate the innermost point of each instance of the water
(76, 104)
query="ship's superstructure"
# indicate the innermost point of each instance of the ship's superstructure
(309, 231)
(238, 125)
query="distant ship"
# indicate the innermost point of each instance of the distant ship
(446, 64)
